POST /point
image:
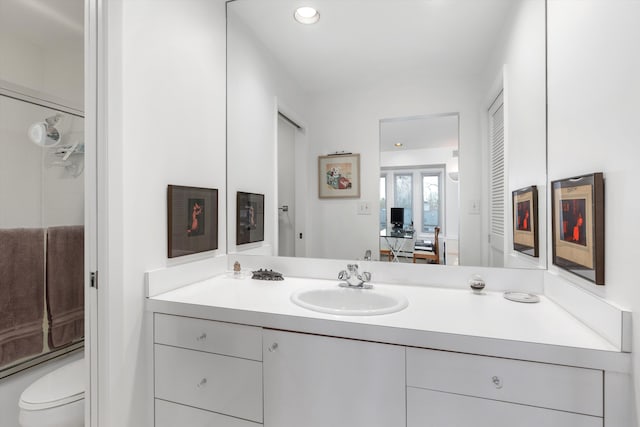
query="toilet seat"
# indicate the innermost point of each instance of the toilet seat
(60, 387)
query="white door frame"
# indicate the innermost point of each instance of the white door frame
(96, 313)
(302, 180)
(90, 208)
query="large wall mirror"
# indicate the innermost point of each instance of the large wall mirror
(443, 102)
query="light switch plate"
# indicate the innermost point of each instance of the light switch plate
(364, 208)
(474, 207)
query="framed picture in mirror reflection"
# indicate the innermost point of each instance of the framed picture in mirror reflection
(339, 176)
(525, 221)
(578, 225)
(192, 220)
(249, 218)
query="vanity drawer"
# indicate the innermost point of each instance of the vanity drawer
(426, 408)
(229, 339)
(538, 384)
(222, 384)
(169, 414)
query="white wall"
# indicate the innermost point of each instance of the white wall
(518, 65)
(165, 125)
(21, 61)
(594, 100)
(57, 71)
(349, 121)
(257, 86)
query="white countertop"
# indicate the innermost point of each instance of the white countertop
(439, 318)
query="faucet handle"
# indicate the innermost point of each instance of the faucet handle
(343, 275)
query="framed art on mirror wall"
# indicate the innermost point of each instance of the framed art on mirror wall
(578, 225)
(339, 176)
(525, 221)
(250, 218)
(192, 214)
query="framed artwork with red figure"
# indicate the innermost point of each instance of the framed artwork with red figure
(525, 221)
(578, 225)
(192, 220)
(339, 176)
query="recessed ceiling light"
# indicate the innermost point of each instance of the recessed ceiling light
(306, 15)
(399, 144)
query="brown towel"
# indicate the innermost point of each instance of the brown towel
(65, 284)
(21, 293)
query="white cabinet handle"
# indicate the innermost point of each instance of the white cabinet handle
(273, 347)
(202, 383)
(202, 337)
(497, 381)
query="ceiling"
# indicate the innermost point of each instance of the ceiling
(364, 41)
(45, 23)
(436, 131)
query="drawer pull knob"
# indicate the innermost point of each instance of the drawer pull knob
(202, 383)
(202, 337)
(273, 347)
(497, 381)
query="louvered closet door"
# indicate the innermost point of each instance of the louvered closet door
(496, 183)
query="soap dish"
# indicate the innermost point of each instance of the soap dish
(521, 297)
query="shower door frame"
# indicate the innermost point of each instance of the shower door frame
(30, 96)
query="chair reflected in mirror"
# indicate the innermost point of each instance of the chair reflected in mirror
(428, 251)
(386, 253)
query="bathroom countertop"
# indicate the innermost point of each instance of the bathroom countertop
(438, 318)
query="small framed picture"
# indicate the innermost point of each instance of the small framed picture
(249, 218)
(192, 220)
(578, 225)
(339, 176)
(525, 221)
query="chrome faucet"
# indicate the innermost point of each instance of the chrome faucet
(353, 279)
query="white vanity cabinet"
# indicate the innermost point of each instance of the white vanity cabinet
(210, 373)
(206, 373)
(461, 390)
(316, 381)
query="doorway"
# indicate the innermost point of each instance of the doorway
(286, 186)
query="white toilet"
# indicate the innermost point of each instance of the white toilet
(56, 399)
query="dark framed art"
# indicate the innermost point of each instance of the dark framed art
(192, 220)
(339, 176)
(249, 218)
(578, 225)
(525, 220)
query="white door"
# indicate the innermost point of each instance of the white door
(315, 381)
(286, 187)
(497, 185)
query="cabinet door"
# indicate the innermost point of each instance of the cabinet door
(315, 381)
(426, 408)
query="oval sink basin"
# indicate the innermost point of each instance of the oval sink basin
(350, 302)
